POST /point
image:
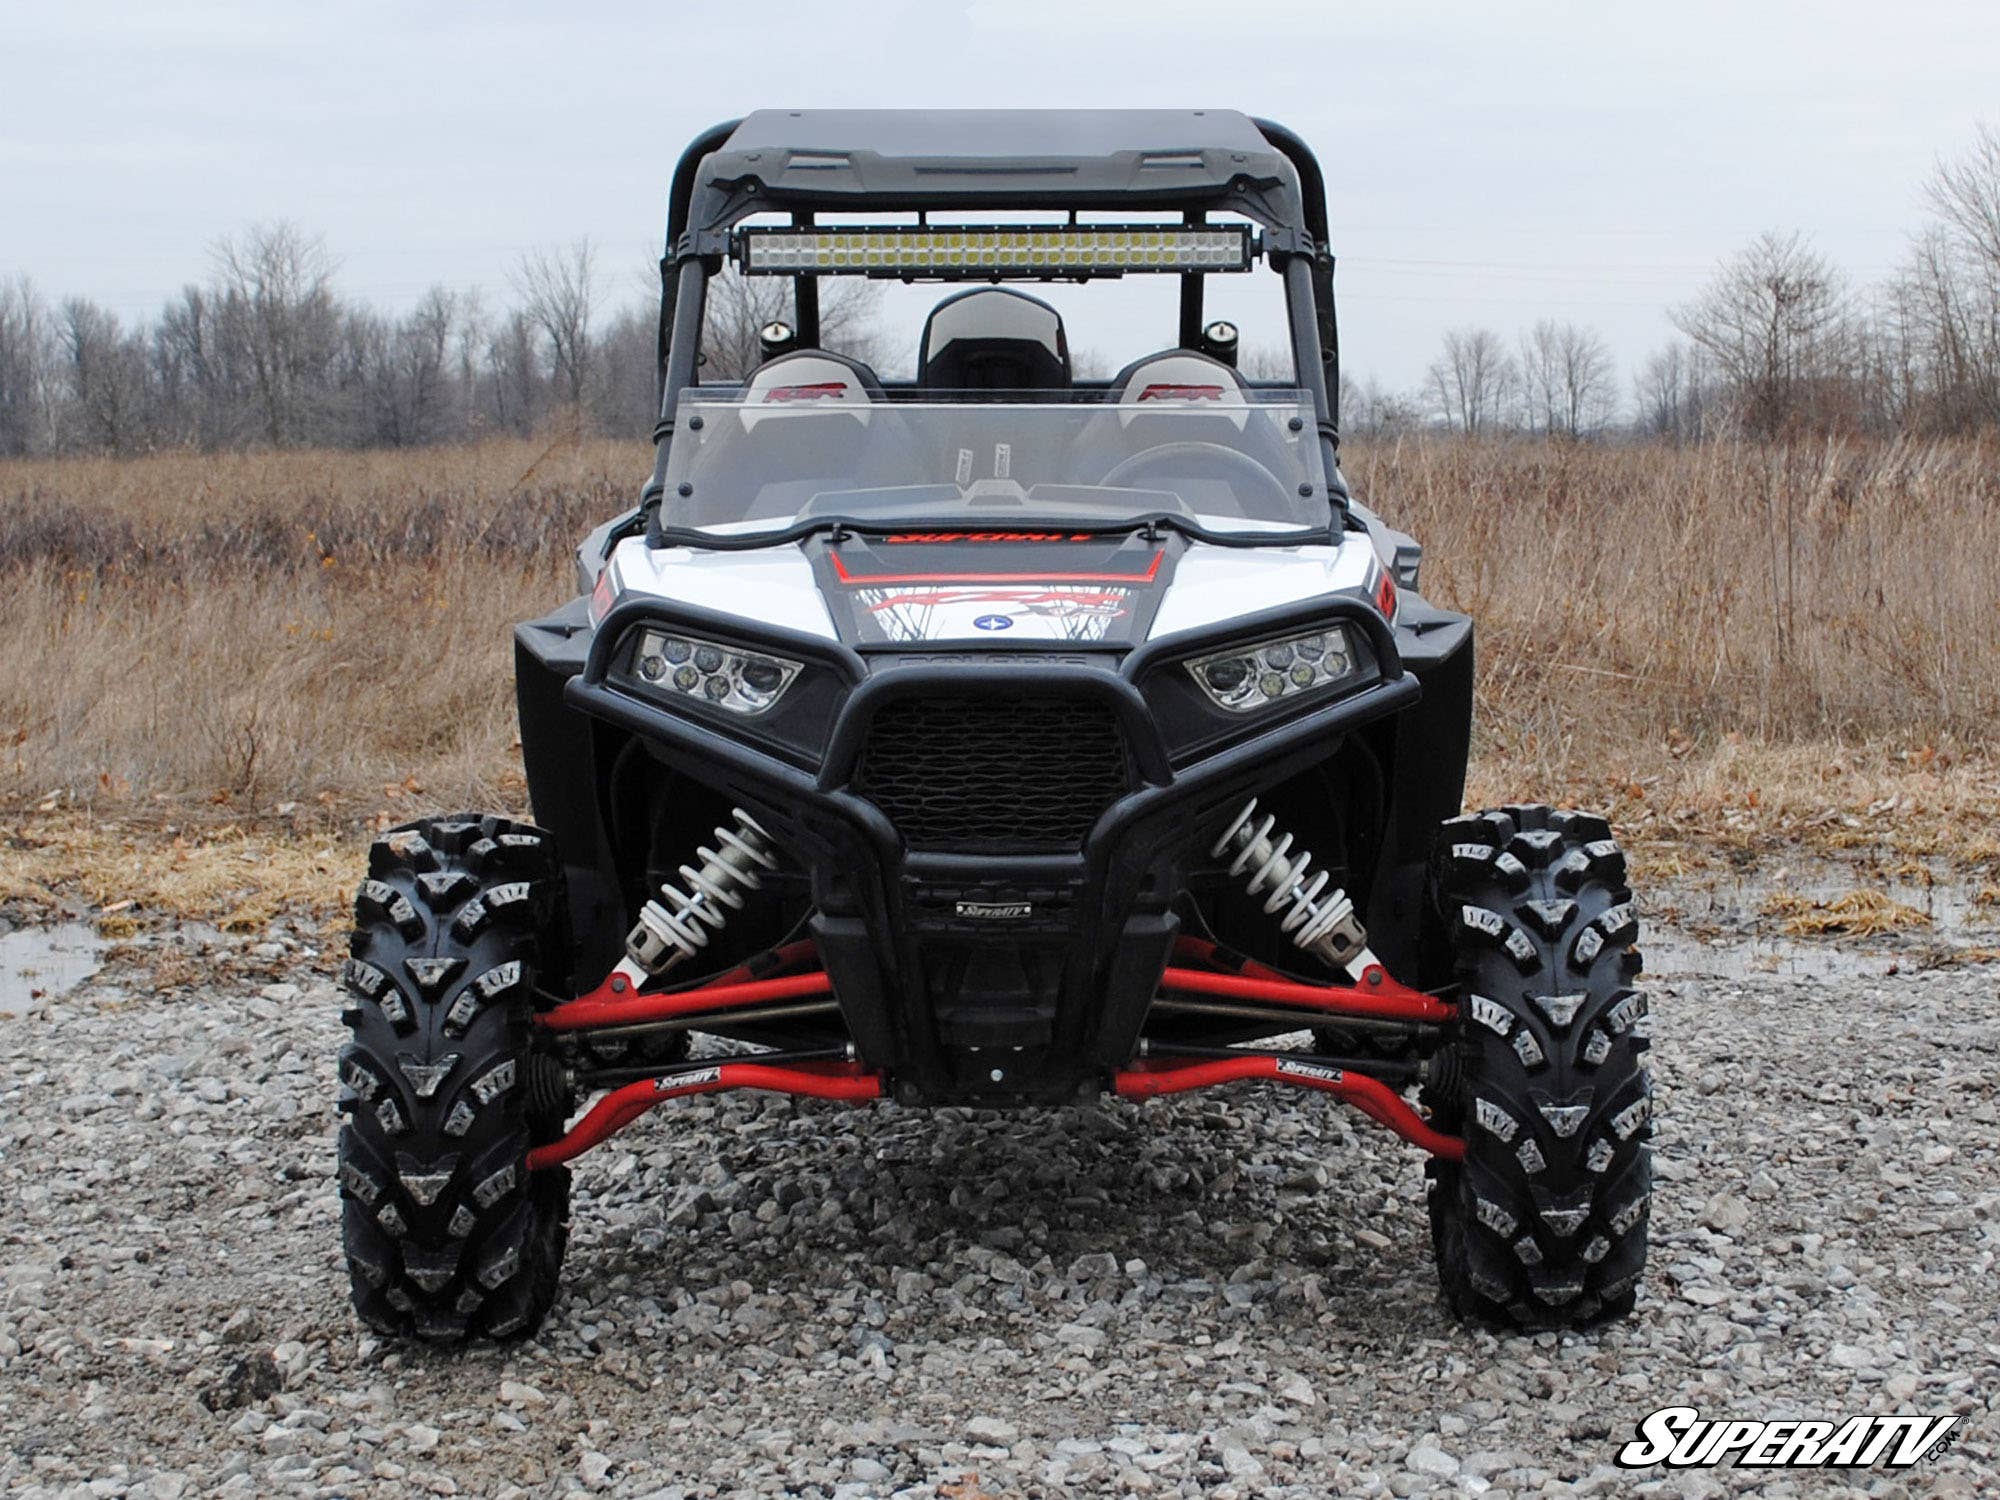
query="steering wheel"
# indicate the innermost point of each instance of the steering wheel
(1193, 460)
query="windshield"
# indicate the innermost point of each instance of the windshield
(1220, 460)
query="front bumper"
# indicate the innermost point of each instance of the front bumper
(993, 978)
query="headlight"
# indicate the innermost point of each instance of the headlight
(1252, 676)
(744, 682)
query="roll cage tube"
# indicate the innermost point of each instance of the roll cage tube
(697, 233)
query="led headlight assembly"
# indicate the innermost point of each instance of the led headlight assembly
(1245, 678)
(743, 682)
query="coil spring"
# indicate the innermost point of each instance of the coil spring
(1318, 922)
(679, 923)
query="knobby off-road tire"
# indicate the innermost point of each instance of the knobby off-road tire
(1544, 1223)
(447, 1233)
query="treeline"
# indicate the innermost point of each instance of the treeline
(1780, 342)
(267, 352)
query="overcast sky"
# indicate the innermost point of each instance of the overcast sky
(1486, 163)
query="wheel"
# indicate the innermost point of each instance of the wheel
(1543, 1225)
(447, 1234)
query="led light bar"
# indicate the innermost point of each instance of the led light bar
(961, 252)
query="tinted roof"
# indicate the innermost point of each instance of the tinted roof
(865, 159)
(1074, 133)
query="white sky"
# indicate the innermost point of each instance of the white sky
(1486, 163)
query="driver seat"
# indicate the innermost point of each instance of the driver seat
(993, 339)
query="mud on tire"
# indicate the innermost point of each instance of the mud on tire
(446, 1232)
(1544, 1223)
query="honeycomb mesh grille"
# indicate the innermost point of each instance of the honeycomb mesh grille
(994, 776)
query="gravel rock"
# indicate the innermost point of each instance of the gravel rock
(1225, 1293)
(243, 1327)
(1297, 1390)
(1428, 1458)
(992, 1431)
(246, 1380)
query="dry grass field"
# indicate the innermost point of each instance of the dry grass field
(221, 671)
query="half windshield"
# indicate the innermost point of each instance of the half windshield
(1245, 462)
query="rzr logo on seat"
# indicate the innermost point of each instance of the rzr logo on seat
(1168, 392)
(820, 391)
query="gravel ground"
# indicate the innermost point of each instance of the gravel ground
(1220, 1294)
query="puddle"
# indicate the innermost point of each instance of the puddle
(42, 963)
(1671, 952)
(1721, 928)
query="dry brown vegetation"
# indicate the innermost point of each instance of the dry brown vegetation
(1726, 644)
(222, 669)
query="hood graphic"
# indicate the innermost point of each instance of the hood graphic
(1002, 587)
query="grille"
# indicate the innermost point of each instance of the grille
(994, 776)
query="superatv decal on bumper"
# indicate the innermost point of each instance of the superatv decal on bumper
(911, 859)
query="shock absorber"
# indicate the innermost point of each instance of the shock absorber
(678, 924)
(1318, 920)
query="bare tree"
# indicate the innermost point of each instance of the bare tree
(1472, 380)
(1944, 306)
(25, 358)
(107, 376)
(1965, 195)
(513, 384)
(1566, 378)
(556, 289)
(405, 372)
(1369, 408)
(1777, 322)
(1671, 391)
(1273, 361)
(278, 315)
(738, 306)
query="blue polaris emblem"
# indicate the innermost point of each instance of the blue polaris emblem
(994, 622)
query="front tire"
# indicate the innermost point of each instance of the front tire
(447, 1234)
(1544, 1223)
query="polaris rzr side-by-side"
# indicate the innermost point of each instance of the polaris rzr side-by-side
(994, 737)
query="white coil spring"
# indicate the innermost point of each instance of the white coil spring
(678, 925)
(1319, 922)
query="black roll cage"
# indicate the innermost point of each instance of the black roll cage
(715, 188)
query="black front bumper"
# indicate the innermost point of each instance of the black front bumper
(1006, 977)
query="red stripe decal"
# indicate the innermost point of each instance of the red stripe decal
(870, 579)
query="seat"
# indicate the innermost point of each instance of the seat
(1180, 421)
(993, 339)
(1179, 377)
(811, 377)
(814, 421)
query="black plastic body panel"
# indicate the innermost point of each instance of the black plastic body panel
(1423, 753)
(1052, 996)
(1033, 1004)
(562, 754)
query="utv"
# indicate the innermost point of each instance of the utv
(994, 737)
